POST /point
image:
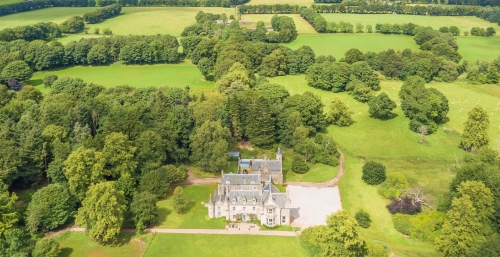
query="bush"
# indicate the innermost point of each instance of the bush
(299, 165)
(373, 173)
(394, 185)
(46, 247)
(49, 80)
(73, 25)
(363, 218)
(404, 205)
(402, 223)
(107, 31)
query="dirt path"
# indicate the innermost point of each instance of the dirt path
(329, 183)
(193, 180)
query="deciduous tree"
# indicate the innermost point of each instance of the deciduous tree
(381, 106)
(339, 113)
(209, 146)
(475, 135)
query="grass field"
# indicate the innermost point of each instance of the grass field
(195, 216)
(178, 75)
(2, 2)
(303, 27)
(479, 48)
(464, 23)
(291, 2)
(156, 20)
(424, 164)
(78, 244)
(56, 14)
(185, 245)
(318, 173)
(338, 44)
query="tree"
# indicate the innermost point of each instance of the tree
(394, 185)
(341, 237)
(339, 113)
(102, 211)
(209, 146)
(299, 165)
(353, 55)
(50, 207)
(493, 75)
(373, 173)
(18, 70)
(490, 31)
(490, 247)
(151, 151)
(144, 209)
(46, 247)
(74, 24)
(422, 131)
(292, 123)
(381, 106)
(205, 66)
(83, 168)
(481, 197)
(8, 213)
(180, 202)
(236, 80)
(463, 230)
(155, 182)
(260, 126)
(454, 30)
(119, 154)
(363, 218)
(49, 80)
(475, 135)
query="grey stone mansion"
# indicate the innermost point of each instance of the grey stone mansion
(250, 193)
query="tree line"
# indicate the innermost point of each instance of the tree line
(40, 4)
(102, 14)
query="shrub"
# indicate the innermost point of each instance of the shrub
(363, 218)
(373, 173)
(96, 31)
(46, 247)
(394, 185)
(107, 31)
(299, 165)
(404, 205)
(49, 80)
(402, 223)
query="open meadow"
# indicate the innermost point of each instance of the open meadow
(474, 48)
(464, 23)
(78, 244)
(55, 14)
(303, 27)
(172, 75)
(187, 245)
(338, 44)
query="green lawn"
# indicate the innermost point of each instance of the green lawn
(479, 48)
(55, 14)
(464, 23)
(2, 2)
(173, 75)
(77, 244)
(190, 245)
(338, 44)
(303, 27)
(318, 173)
(393, 144)
(156, 20)
(196, 215)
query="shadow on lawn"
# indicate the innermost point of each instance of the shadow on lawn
(163, 214)
(65, 252)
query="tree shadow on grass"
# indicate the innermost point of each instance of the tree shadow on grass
(390, 117)
(122, 239)
(65, 252)
(162, 215)
(35, 82)
(189, 205)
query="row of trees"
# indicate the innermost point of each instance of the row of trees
(40, 4)
(40, 31)
(102, 14)
(483, 72)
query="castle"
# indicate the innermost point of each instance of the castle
(250, 194)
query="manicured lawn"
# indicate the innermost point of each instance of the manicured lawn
(479, 48)
(55, 14)
(303, 27)
(77, 244)
(318, 173)
(172, 75)
(291, 2)
(192, 245)
(196, 215)
(156, 20)
(338, 44)
(464, 23)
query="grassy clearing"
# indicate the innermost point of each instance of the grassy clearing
(338, 44)
(318, 173)
(291, 2)
(78, 244)
(195, 215)
(303, 27)
(187, 245)
(55, 14)
(424, 164)
(464, 23)
(479, 48)
(156, 20)
(172, 75)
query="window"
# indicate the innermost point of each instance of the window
(254, 188)
(218, 208)
(270, 211)
(234, 208)
(244, 208)
(218, 214)
(270, 222)
(234, 217)
(283, 219)
(253, 208)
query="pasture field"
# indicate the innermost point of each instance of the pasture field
(191, 245)
(290, 2)
(54, 14)
(78, 244)
(303, 27)
(172, 75)
(195, 215)
(464, 23)
(338, 44)
(156, 20)
(479, 48)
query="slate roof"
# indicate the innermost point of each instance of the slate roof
(241, 195)
(275, 165)
(241, 179)
(280, 199)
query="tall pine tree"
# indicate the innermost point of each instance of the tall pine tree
(260, 129)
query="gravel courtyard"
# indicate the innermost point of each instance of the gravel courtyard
(311, 206)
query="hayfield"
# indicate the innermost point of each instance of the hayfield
(191, 245)
(172, 75)
(303, 27)
(55, 14)
(156, 20)
(78, 244)
(464, 23)
(338, 44)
